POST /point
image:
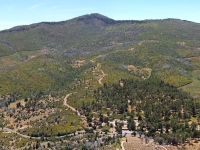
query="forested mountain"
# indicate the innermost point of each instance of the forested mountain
(113, 68)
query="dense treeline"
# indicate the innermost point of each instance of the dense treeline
(161, 108)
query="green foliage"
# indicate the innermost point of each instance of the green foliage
(165, 46)
(194, 87)
(158, 105)
(55, 125)
(105, 128)
(37, 60)
(40, 74)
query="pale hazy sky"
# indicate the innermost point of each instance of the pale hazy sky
(23, 12)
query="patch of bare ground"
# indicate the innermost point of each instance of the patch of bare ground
(6, 61)
(145, 73)
(37, 115)
(78, 63)
(134, 143)
(184, 45)
(115, 43)
(149, 41)
(191, 146)
(41, 52)
(180, 43)
(21, 117)
(31, 57)
(131, 49)
(14, 104)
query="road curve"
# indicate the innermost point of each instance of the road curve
(28, 137)
(72, 108)
(100, 79)
(102, 76)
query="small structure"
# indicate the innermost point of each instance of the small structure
(125, 131)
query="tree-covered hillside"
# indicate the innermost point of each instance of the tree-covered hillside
(167, 47)
(162, 109)
(59, 80)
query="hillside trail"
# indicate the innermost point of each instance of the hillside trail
(149, 74)
(64, 103)
(72, 108)
(84, 119)
(102, 76)
(100, 70)
(100, 79)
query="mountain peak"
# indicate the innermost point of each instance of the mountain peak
(95, 18)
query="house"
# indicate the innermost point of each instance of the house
(125, 131)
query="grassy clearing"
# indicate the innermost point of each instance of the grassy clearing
(176, 80)
(105, 128)
(194, 87)
(194, 119)
(115, 116)
(23, 142)
(13, 139)
(60, 123)
(69, 126)
(111, 147)
(17, 57)
(5, 138)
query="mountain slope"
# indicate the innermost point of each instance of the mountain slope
(61, 79)
(167, 47)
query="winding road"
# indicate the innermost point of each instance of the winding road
(64, 103)
(72, 108)
(28, 137)
(84, 119)
(100, 79)
(103, 74)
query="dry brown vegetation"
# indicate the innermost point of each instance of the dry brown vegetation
(78, 63)
(134, 143)
(145, 73)
(21, 117)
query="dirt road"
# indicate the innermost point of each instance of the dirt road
(72, 108)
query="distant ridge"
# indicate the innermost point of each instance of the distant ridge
(88, 18)
(85, 18)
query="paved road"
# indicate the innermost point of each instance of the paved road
(22, 135)
(28, 137)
